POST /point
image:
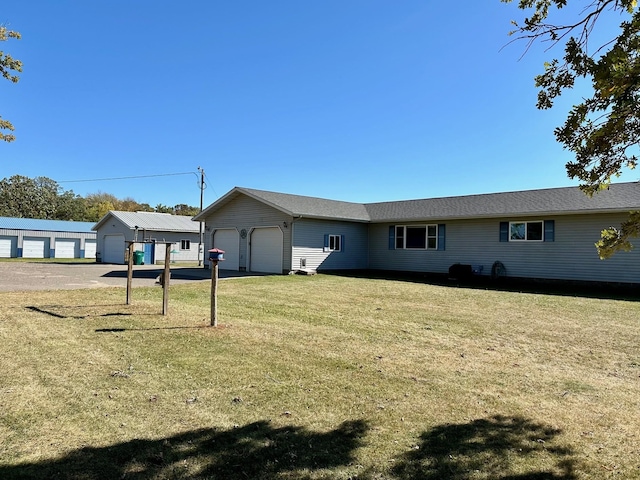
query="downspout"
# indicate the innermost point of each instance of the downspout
(293, 221)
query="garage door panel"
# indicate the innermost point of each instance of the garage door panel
(67, 248)
(113, 249)
(90, 249)
(35, 247)
(8, 247)
(266, 250)
(227, 239)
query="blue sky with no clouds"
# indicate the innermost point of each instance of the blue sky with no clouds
(355, 100)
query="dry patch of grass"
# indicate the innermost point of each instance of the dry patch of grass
(319, 377)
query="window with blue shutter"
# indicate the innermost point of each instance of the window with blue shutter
(549, 230)
(441, 235)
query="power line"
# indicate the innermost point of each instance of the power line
(128, 178)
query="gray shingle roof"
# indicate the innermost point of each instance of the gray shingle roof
(40, 225)
(621, 197)
(157, 222)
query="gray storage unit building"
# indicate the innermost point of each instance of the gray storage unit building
(40, 238)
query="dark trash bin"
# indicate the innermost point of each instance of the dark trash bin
(138, 257)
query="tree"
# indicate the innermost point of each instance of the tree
(184, 209)
(8, 64)
(28, 197)
(603, 131)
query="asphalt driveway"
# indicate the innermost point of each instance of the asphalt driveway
(24, 276)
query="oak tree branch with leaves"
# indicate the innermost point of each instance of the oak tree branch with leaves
(603, 131)
(8, 65)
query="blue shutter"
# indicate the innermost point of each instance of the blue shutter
(504, 231)
(441, 235)
(326, 241)
(392, 237)
(342, 243)
(549, 230)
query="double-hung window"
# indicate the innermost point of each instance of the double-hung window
(185, 244)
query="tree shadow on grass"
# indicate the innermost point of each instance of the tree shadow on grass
(496, 448)
(254, 451)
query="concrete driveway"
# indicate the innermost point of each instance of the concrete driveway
(22, 276)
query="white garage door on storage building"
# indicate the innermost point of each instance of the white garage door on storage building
(227, 239)
(35, 247)
(67, 248)
(266, 250)
(90, 249)
(8, 247)
(113, 249)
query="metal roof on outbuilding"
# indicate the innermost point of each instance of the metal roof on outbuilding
(152, 221)
(38, 224)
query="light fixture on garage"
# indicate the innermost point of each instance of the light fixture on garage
(284, 224)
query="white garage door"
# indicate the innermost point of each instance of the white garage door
(89, 249)
(35, 247)
(8, 247)
(227, 239)
(266, 250)
(67, 248)
(113, 249)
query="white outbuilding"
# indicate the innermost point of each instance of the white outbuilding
(146, 230)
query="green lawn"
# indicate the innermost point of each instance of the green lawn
(319, 377)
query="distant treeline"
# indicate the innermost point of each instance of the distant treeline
(42, 197)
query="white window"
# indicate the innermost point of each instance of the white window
(526, 231)
(334, 243)
(185, 244)
(417, 237)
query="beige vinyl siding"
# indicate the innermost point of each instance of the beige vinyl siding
(309, 244)
(572, 256)
(246, 213)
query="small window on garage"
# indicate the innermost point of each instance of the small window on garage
(185, 244)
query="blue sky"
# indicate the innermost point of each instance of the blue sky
(355, 100)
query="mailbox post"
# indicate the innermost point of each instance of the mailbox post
(215, 255)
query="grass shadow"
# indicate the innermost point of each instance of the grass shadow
(497, 448)
(599, 290)
(52, 313)
(256, 451)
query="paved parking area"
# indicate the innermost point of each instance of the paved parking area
(24, 276)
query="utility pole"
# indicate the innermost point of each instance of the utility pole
(200, 245)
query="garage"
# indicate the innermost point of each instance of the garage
(90, 249)
(67, 248)
(35, 248)
(8, 247)
(266, 250)
(113, 249)
(227, 239)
